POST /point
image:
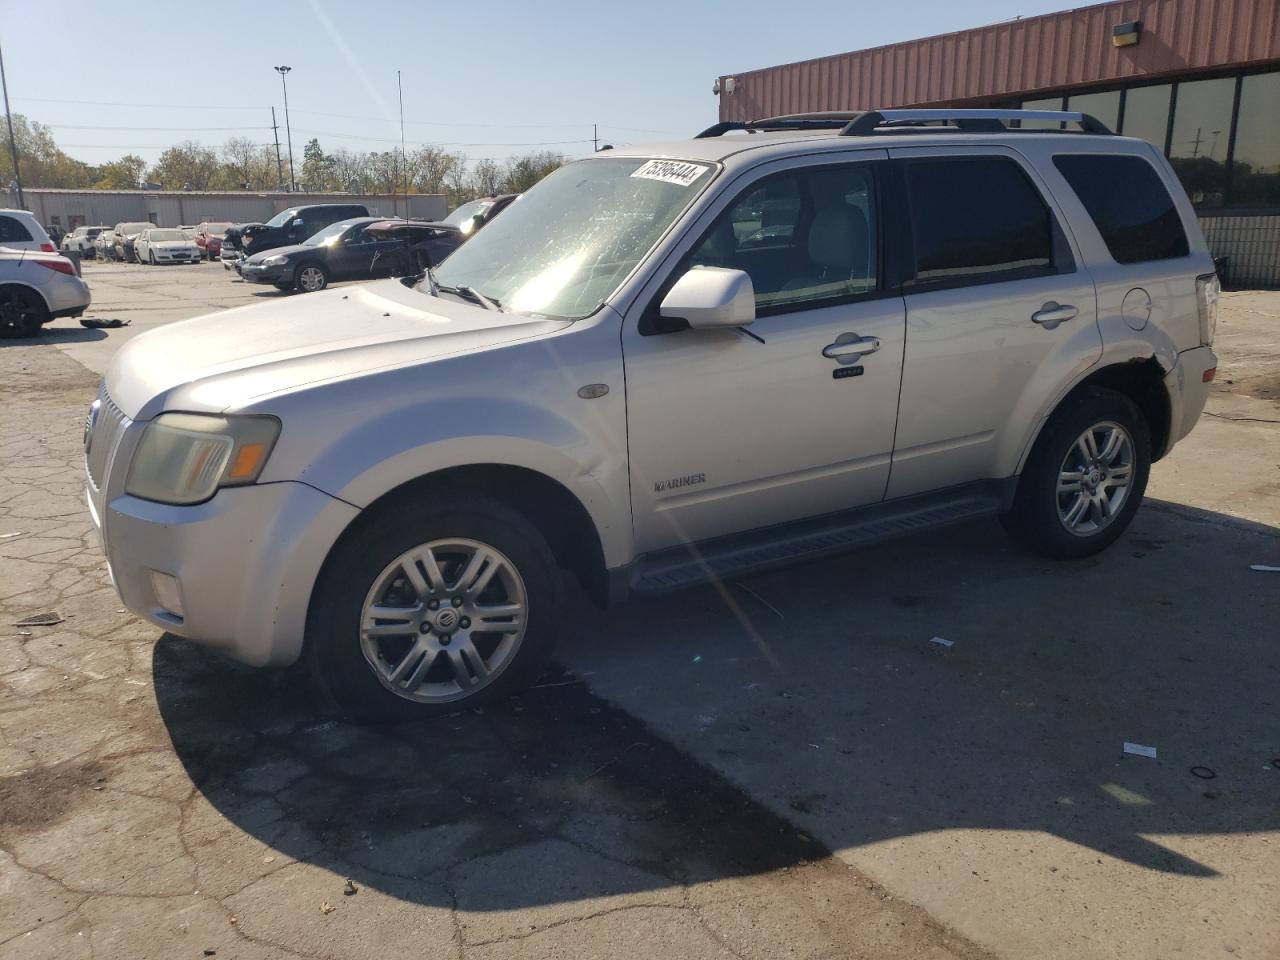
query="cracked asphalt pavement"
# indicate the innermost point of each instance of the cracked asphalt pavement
(784, 767)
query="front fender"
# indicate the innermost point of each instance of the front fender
(515, 405)
(360, 469)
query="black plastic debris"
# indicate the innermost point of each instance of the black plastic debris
(39, 620)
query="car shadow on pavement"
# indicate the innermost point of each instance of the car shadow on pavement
(56, 335)
(550, 796)
(826, 710)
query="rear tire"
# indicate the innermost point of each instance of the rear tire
(22, 313)
(369, 569)
(1085, 478)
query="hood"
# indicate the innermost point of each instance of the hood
(292, 248)
(228, 360)
(173, 244)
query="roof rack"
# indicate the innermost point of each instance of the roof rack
(870, 121)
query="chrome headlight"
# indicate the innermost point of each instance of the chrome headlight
(183, 458)
(274, 261)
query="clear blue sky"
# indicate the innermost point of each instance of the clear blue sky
(486, 78)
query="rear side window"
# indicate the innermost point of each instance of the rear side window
(13, 231)
(977, 220)
(1129, 205)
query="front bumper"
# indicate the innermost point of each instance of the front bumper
(261, 273)
(244, 562)
(1188, 390)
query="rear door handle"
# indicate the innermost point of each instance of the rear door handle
(1053, 313)
(849, 346)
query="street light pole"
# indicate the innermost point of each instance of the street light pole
(13, 143)
(293, 183)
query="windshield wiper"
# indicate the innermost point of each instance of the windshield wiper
(471, 293)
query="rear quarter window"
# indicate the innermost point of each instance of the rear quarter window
(13, 231)
(1129, 205)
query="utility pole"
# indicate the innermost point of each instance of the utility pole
(404, 163)
(275, 131)
(595, 138)
(13, 143)
(288, 131)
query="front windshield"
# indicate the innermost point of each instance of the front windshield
(281, 218)
(329, 234)
(564, 246)
(466, 212)
(157, 235)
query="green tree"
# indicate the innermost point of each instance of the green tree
(123, 174)
(246, 166)
(521, 173)
(41, 162)
(317, 168)
(186, 166)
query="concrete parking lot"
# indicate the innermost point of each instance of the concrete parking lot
(785, 766)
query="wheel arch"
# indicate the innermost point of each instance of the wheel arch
(558, 514)
(27, 286)
(1141, 379)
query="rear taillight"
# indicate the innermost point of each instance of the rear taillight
(47, 248)
(61, 265)
(1208, 292)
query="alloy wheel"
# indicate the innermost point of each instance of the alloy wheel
(311, 279)
(443, 620)
(1095, 478)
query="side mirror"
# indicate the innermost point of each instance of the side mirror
(297, 224)
(711, 297)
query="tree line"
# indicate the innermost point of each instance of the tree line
(242, 164)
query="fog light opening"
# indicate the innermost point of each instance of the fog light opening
(167, 593)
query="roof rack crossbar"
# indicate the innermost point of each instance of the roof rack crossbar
(794, 121)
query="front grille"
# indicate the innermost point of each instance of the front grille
(105, 436)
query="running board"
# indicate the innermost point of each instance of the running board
(741, 554)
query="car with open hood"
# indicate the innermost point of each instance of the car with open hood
(289, 226)
(664, 365)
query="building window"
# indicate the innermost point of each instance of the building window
(1050, 103)
(1201, 131)
(977, 220)
(1255, 172)
(1103, 106)
(1129, 205)
(1146, 114)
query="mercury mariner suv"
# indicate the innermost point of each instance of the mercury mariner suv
(659, 366)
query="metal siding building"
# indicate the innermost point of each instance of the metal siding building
(169, 208)
(1202, 82)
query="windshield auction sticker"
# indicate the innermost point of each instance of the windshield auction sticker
(670, 171)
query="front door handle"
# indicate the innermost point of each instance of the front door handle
(1053, 313)
(849, 347)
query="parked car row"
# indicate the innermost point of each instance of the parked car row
(306, 248)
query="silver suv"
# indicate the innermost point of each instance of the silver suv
(661, 366)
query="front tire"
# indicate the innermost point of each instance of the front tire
(310, 278)
(428, 607)
(1085, 478)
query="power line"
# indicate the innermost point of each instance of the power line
(442, 143)
(493, 125)
(75, 126)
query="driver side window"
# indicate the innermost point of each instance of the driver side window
(805, 237)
